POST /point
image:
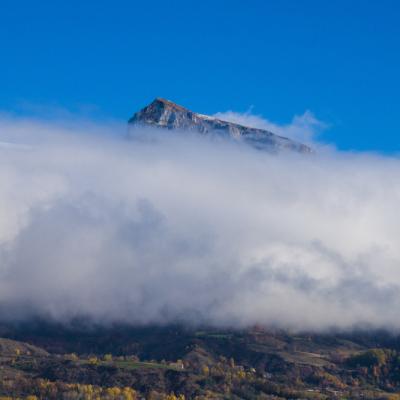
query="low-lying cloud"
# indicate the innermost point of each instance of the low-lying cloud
(185, 229)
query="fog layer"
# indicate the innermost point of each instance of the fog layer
(175, 228)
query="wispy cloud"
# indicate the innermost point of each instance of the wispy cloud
(303, 128)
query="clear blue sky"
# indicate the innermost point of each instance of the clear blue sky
(339, 59)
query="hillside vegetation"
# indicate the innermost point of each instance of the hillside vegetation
(175, 363)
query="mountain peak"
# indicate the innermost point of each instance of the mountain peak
(167, 103)
(163, 113)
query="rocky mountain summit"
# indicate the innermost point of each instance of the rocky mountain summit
(166, 114)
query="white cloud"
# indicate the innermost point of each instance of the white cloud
(184, 228)
(303, 128)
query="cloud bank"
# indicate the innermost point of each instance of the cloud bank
(174, 228)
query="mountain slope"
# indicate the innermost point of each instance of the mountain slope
(163, 113)
(177, 363)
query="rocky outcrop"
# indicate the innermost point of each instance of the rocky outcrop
(166, 114)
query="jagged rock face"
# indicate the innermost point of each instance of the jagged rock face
(166, 114)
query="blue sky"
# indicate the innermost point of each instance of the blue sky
(340, 59)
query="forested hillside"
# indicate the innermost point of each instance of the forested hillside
(175, 363)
